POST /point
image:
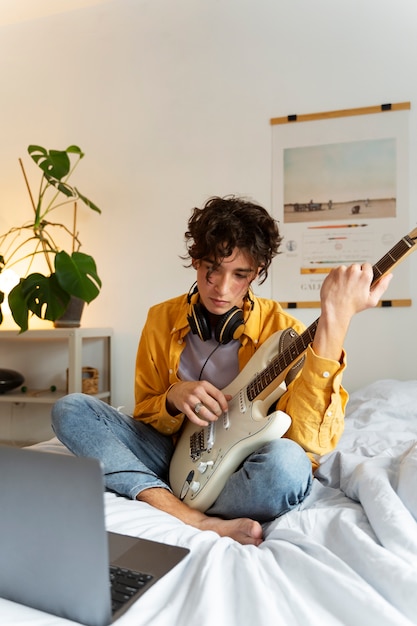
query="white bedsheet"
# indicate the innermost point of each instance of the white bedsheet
(347, 556)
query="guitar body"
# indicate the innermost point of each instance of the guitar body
(205, 457)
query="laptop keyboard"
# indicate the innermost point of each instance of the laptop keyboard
(125, 584)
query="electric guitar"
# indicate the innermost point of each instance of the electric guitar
(204, 458)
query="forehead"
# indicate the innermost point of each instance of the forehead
(239, 259)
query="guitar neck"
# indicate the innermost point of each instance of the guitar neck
(394, 256)
(285, 359)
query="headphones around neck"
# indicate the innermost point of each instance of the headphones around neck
(229, 326)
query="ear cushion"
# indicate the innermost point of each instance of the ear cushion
(230, 326)
(198, 322)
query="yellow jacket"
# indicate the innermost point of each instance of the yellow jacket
(315, 400)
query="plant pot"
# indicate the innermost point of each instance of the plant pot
(72, 316)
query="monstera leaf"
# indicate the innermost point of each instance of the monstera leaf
(56, 165)
(47, 297)
(77, 274)
(38, 294)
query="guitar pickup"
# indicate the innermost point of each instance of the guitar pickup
(226, 420)
(210, 437)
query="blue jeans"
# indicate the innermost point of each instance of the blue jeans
(135, 457)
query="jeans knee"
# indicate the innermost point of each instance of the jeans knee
(270, 482)
(67, 410)
(281, 456)
(288, 459)
(289, 474)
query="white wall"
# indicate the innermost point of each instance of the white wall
(171, 103)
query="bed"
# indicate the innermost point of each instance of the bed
(347, 556)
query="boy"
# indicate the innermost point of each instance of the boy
(193, 346)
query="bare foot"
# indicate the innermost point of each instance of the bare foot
(243, 530)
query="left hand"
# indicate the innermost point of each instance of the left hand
(345, 292)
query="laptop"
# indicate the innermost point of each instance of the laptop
(55, 553)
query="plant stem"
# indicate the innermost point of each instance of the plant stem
(27, 184)
(74, 229)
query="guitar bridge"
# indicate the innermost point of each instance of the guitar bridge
(201, 441)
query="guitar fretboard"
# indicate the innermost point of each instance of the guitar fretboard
(392, 257)
(281, 362)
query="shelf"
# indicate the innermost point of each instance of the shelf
(34, 396)
(73, 341)
(57, 333)
(50, 358)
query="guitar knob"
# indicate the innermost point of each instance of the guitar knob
(204, 465)
(194, 486)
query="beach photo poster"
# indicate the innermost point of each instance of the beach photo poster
(340, 195)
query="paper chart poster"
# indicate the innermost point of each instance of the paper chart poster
(340, 194)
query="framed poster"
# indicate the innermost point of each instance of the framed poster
(340, 194)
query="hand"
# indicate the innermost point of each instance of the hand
(345, 292)
(186, 396)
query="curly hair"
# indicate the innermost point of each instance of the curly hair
(224, 224)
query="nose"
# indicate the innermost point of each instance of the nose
(222, 284)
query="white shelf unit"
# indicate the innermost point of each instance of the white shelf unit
(74, 341)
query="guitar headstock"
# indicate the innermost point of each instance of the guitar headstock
(413, 234)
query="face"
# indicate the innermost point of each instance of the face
(223, 287)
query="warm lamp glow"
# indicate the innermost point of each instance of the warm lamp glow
(8, 280)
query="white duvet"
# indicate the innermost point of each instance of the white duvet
(347, 556)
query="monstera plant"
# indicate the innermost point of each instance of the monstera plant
(68, 273)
